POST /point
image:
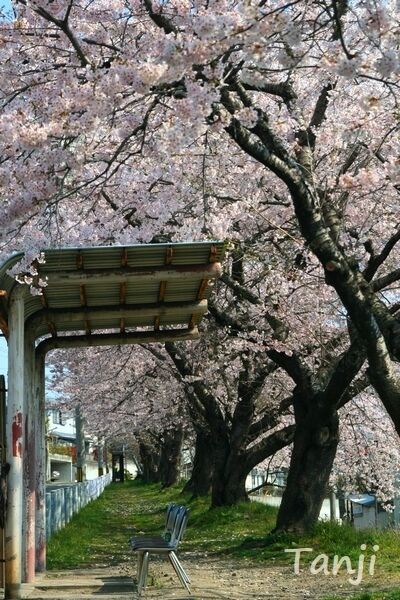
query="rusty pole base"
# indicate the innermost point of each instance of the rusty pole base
(12, 591)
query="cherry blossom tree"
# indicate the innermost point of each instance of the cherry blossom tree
(268, 121)
(118, 390)
(368, 457)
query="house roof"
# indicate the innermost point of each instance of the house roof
(363, 499)
(143, 287)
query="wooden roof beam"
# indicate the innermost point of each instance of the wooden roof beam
(113, 339)
(125, 274)
(202, 292)
(76, 315)
(169, 253)
(50, 323)
(123, 287)
(83, 299)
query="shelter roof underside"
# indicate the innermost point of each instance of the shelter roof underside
(146, 287)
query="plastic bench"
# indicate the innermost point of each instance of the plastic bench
(166, 544)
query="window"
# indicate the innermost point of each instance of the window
(56, 417)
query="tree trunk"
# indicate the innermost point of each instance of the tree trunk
(170, 457)
(149, 458)
(229, 478)
(314, 450)
(200, 480)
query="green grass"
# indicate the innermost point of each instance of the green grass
(393, 595)
(98, 535)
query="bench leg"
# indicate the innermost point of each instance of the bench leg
(145, 568)
(179, 565)
(143, 564)
(183, 578)
(139, 566)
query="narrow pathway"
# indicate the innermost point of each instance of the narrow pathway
(109, 584)
(212, 579)
(97, 539)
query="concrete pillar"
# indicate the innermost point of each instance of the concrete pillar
(55, 511)
(68, 504)
(41, 464)
(75, 499)
(61, 500)
(15, 445)
(48, 515)
(4, 469)
(31, 409)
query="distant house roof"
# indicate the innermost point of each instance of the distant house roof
(363, 499)
(67, 437)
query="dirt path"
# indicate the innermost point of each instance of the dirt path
(212, 579)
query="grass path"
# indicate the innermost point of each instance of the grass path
(98, 537)
(98, 534)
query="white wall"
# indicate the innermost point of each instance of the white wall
(63, 465)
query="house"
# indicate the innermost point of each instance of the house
(62, 450)
(258, 477)
(364, 511)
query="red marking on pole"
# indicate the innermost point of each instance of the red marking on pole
(17, 435)
(41, 555)
(30, 564)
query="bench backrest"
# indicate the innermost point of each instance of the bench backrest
(176, 522)
(180, 525)
(172, 513)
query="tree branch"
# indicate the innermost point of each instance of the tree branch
(269, 446)
(346, 369)
(159, 19)
(376, 261)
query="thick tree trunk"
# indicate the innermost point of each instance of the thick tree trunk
(232, 464)
(200, 480)
(314, 451)
(168, 471)
(229, 478)
(150, 459)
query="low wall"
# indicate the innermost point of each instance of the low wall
(63, 501)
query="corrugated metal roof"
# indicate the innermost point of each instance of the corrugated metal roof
(106, 287)
(363, 499)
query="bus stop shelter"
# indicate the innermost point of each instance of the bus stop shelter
(98, 296)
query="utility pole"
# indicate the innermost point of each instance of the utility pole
(80, 445)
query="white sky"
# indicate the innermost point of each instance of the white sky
(3, 355)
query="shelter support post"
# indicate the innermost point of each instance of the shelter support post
(3, 474)
(41, 463)
(29, 468)
(15, 444)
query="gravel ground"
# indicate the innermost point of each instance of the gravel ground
(212, 579)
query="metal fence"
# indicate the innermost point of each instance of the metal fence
(63, 501)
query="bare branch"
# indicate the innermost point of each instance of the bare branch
(159, 19)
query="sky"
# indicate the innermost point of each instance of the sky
(3, 354)
(5, 10)
(3, 362)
